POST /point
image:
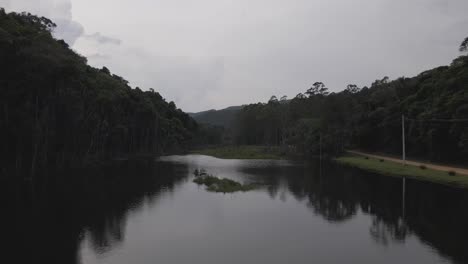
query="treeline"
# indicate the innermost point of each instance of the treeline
(435, 104)
(55, 110)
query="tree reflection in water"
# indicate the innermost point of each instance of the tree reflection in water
(49, 226)
(435, 214)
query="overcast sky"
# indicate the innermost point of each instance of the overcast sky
(206, 54)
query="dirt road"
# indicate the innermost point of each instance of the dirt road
(415, 163)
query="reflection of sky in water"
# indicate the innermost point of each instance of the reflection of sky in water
(298, 216)
(228, 168)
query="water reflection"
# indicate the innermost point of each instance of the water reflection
(94, 209)
(48, 226)
(435, 214)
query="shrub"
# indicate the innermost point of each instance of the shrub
(215, 184)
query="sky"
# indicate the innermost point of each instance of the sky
(211, 54)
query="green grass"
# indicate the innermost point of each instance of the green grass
(396, 169)
(215, 184)
(242, 152)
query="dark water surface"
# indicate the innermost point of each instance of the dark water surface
(152, 212)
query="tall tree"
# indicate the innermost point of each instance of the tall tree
(464, 45)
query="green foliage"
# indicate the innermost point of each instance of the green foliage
(56, 110)
(369, 118)
(209, 135)
(218, 118)
(464, 45)
(215, 184)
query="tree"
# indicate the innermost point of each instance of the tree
(105, 70)
(352, 88)
(370, 118)
(300, 96)
(464, 45)
(56, 111)
(318, 88)
(273, 99)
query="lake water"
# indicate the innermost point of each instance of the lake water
(301, 213)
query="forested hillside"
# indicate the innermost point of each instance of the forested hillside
(435, 104)
(56, 110)
(224, 117)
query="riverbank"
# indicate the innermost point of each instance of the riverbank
(242, 152)
(391, 168)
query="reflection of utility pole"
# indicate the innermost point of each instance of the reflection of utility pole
(403, 197)
(320, 146)
(403, 138)
(320, 155)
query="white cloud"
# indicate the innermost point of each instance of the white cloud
(98, 37)
(59, 11)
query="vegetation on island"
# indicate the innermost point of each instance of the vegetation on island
(215, 184)
(56, 110)
(400, 170)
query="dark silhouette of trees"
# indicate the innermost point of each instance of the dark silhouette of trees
(352, 88)
(56, 111)
(464, 45)
(318, 88)
(370, 118)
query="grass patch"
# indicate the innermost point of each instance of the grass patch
(243, 152)
(215, 184)
(396, 169)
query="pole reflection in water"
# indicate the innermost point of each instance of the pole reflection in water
(403, 199)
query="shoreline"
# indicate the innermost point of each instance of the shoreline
(243, 152)
(395, 169)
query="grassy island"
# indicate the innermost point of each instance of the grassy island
(215, 184)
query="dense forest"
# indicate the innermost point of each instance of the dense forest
(221, 118)
(55, 110)
(434, 103)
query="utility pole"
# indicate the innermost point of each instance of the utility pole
(403, 138)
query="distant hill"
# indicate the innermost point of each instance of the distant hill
(224, 117)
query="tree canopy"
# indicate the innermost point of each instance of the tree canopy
(435, 103)
(464, 45)
(56, 110)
